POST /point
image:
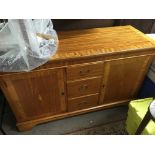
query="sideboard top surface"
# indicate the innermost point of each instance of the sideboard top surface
(98, 42)
(81, 43)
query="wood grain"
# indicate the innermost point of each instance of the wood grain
(101, 41)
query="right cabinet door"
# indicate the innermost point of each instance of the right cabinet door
(122, 78)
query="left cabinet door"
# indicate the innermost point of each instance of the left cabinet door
(35, 94)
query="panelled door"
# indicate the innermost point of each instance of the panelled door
(35, 94)
(122, 78)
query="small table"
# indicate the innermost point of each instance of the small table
(150, 115)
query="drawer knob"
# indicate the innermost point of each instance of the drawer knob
(86, 86)
(83, 102)
(62, 93)
(82, 73)
(88, 71)
(83, 87)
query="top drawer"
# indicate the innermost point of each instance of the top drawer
(84, 70)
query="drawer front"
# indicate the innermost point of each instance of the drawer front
(82, 71)
(83, 102)
(83, 87)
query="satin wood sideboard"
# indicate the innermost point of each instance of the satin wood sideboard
(93, 69)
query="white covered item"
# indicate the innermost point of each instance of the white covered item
(26, 44)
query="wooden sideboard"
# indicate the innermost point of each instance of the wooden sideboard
(93, 69)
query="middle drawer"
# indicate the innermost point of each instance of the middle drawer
(83, 87)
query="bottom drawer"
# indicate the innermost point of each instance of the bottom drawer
(83, 102)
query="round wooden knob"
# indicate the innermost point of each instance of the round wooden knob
(62, 93)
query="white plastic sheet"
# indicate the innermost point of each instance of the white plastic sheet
(26, 44)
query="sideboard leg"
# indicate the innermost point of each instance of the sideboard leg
(25, 127)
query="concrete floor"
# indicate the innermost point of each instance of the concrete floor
(67, 125)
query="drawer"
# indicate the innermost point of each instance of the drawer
(84, 87)
(84, 70)
(83, 102)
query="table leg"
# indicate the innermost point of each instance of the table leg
(143, 124)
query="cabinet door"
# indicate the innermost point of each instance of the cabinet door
(122, 78)
(35, 94)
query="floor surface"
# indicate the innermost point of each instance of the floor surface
(72, 125)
